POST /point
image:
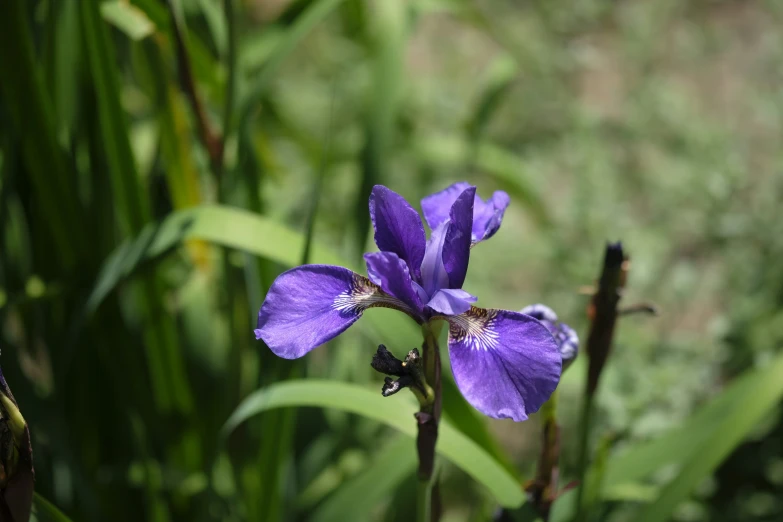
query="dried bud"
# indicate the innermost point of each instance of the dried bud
(385, 362)
(17, 476)
(409, 371)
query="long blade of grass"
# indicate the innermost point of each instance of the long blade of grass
(397, 414)
(33, 119)
(738, 422)
(45, 511)
(697, 446)
(163, 351)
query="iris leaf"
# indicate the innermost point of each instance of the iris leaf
(397, 414)
(128, 18)
(747, 409)
(697, 446)
(45, 511)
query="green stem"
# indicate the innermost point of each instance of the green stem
(428, 419)
(423, 499)
(584, 437)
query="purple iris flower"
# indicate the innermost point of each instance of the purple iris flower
(505, 363)
(565, 336)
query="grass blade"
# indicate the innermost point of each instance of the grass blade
(748, 411)
(45, 511)
(163, 351)
(32, 114)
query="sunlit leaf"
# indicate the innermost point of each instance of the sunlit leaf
(45, 511)
(395, 413)
(127, 18)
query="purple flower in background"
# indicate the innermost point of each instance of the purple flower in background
(505, 363)
(565, 336)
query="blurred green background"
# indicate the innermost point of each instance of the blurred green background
(657, 122)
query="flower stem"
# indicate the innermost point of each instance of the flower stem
(584, 437)
(543, 488)
(428, 419)
(423, 501)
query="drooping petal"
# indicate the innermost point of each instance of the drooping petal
(312, 304)
(506, 364)
(488, 215)
(567, 342)
(456, 245)
(451, 301)
(437, 207)
(398, 227)
(540, 312)
(433, 273)
(391, 273)
(565, 336)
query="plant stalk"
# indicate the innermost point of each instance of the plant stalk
(603, 314)
(428, 419)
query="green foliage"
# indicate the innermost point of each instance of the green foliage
(134, 253)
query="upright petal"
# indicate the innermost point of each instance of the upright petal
(391, 273)
(488, 216)
(506, 364)
(433, 273)
(437, 207)
(398, 227)
(312, 304)
(456, 245)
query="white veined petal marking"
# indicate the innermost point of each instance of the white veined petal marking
(364, 294)
(475, 328)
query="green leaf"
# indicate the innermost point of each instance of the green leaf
(45, 511)
(397, 414)
(738, 421)
(32, 119)
(167, 368)
(355, 499)
(226, 226)
(641, 460)
(128, 18)
(698, 446)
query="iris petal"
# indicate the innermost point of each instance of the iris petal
(398, 227)
(506, 364)
(456, 245)
(312, 304)
(391, 273)
(433, 273)
(565, 336)
(437, 207)
(488, 216)
(451, 301)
